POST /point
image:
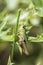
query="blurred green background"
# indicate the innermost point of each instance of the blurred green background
(31, 16)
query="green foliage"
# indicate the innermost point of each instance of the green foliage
(11, 29)
(38, 3)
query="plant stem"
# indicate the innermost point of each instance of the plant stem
(15, 35)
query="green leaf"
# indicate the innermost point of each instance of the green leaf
(8, 38)
(35, 39)
(38, 3)
(39, 11)
(9, 61)
(3, 33)
(19, 47)
(2, 25)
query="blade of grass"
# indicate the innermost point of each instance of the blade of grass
(2, 25)
(9, 61)
(16, 31)
(35, 39)
(3, 33)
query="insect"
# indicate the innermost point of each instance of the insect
(22, 41)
